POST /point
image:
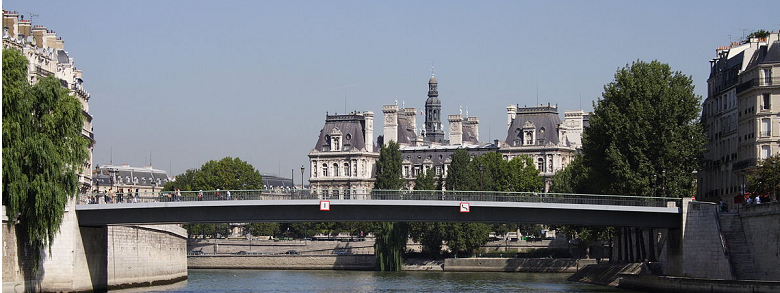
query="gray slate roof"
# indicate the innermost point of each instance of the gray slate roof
(541, 117)
(62, 57)
(406, 132)
(354, 125)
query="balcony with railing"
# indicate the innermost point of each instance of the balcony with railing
(758, 82)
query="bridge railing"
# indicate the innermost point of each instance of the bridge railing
(429, 195)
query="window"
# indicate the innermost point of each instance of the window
(406, 171)
(438, 170)
(324, 170)
(768, 76)
(336, 193)
(347, 170)
(335, 170)
(540, 165)
(764, 152)
(766, 130)
(336, 145)
(529, 138)
(767, 102)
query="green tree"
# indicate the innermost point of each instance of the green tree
(572, 179)
(466, 237)
(227, 173)
(644, 138)
(263, 229)
(429, 235)
(390, 245)
(388, 168)
(761, 34)
(460, 174)
(523, 176)
(43, 151)
(425, 181)
(766, 177)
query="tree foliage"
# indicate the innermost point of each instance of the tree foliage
(572, 179)
(227, 173)
(430, 235)
(425, 181)
(644, 138)
(466, 237)
(766, 178)
(43, 151)
(761, 34)
(390, 245)
(388, 168)
(492, 173)
(460, 176)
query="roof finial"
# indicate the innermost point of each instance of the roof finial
(433, 70)
(461, 110)
(396, 101)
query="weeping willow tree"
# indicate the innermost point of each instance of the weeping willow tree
(43, 151)
(390, 245)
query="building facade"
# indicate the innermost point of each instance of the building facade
(340, 171)
(539, 133)
(128, 179)
(342, 163)
(741, 116)
(46, 56)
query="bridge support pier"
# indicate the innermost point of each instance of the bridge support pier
(85, 258)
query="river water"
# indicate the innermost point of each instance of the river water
(367, 281)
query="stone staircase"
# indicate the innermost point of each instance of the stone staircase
(739, 255)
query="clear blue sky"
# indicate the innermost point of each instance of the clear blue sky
(192, 81)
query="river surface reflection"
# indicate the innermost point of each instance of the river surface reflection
(363, 281)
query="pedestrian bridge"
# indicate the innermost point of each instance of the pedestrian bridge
(247, 206)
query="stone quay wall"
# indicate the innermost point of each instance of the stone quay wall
(283, 262)
(703, 254)
(651, 283)
(761, 224)
(146, 254)
(537, 265)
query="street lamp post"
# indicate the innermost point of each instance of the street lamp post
(302, 169)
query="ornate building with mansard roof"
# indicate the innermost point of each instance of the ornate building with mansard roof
(344, 158)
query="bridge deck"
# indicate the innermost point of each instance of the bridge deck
(544, 208)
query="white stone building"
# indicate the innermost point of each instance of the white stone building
(342, 162)
(539, 133)
(741, 115)
(46, 55)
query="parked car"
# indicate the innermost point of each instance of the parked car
(242, 252)
(292, 252)
(197, 252)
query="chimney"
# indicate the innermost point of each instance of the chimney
(411, 116)
(11, 21)
(369, 131)
(473, 123)
(38, 32)
(391, 123)
(511, 111)
(456, 129)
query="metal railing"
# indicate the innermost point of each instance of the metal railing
(405, 195)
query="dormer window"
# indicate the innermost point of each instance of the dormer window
(335, 139)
